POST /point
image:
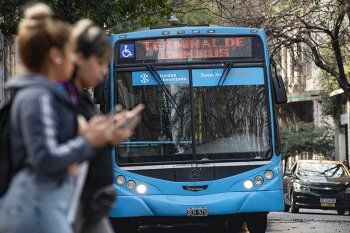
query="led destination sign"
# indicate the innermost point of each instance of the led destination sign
(198, 47)
(189, 49)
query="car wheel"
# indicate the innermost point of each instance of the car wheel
(286, 208)
(341, 211)
(257, 223)
(293, 206)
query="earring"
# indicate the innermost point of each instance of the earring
(58, 61)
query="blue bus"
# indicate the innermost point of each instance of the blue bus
(207, 147)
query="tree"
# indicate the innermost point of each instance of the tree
(306, 137)
(321, 25)
(105, 13)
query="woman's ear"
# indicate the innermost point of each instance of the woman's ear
(56, 56)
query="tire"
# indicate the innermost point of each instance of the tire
(217, 226)
(124, 226)
(341, 211)
(294, 208)
(286, 208)
(257, 223)
(236, 226)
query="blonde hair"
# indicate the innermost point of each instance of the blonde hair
(38, 32)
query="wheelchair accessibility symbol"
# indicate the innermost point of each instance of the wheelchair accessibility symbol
(127, 50)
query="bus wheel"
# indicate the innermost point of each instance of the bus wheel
(257, 223)
(124, 226)
(217, 226)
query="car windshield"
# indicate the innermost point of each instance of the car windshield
(321, 170)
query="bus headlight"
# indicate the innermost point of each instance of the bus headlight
(131, 184)
(258, 180)
(268, 175)
(248, 184)
(120, 180)
(141, 189)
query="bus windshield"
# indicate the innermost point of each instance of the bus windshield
(195, 118)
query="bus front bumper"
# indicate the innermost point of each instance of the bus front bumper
(217, 204)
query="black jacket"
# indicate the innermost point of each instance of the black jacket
(100, 169)
(100, 173)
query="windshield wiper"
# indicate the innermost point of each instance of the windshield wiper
(225, 72)
(159, 80)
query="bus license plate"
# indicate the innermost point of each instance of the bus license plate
(328, 202)
(197, 212)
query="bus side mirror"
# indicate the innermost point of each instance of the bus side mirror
(279, 89)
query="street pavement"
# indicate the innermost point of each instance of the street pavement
(307, 221)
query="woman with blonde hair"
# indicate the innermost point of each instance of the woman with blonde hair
(44, 128)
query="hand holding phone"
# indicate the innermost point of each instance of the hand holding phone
(125, 123)
(129, 118)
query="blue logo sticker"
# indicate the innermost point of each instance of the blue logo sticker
(145, 78)
(126, 51)
(236, 76)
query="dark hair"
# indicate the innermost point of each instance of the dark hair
(38, 32)
(91, 39)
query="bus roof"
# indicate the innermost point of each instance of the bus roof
(190, 30)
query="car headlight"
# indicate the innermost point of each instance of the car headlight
(347, 190)
(301, 188)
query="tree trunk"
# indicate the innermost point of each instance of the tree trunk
(10, 60)
(2, 68)
(348, 127)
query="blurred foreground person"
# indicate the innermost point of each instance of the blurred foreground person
(93, 53)
(43, 129)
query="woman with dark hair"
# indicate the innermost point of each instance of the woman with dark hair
(93, 53)
(44, 129)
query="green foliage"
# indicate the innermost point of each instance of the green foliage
(196, 12)
(105, 13)
(306, 137)
(331, 106)
(191, 12)
(9, 15)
